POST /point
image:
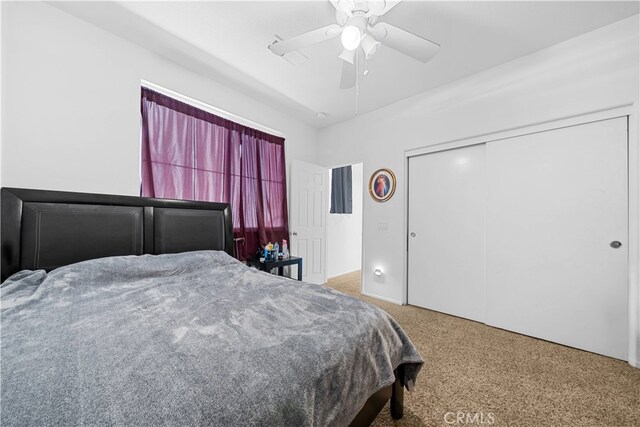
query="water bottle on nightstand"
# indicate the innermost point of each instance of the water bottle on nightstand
(285, 249)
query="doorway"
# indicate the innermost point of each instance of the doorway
(344, 230)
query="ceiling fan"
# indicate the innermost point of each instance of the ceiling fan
(361, 35)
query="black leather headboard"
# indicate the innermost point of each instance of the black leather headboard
(48, 229)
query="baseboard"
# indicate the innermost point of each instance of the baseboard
(343, 274)
(634, 363)
(379, 297)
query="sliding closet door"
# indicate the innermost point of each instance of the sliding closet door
(446, 231)
(557, 206)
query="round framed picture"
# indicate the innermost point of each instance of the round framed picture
(382, 185)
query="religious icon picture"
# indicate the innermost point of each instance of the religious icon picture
(382, 185)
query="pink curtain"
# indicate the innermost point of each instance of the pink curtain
(190, 154)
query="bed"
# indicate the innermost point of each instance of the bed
(132, 311)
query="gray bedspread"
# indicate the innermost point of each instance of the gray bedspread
(189, 339)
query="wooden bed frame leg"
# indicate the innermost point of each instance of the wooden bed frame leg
(397, 395)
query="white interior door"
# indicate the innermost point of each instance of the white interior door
(556, 202)
(307, 219)
(447, 196)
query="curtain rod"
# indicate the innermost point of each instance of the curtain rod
(211, 109)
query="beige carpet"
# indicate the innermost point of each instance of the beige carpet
(502, 376)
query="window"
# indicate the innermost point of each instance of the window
(191, 154)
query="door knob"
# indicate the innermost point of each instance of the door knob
(615, 244)
(295, 233)
(412, 234)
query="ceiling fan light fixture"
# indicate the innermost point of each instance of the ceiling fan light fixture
(348, 56)
(370, 45)
(351, 37)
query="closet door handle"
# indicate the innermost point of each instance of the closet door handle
(412, 234)
(615, 244)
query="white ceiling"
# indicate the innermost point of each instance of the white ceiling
(228, 40)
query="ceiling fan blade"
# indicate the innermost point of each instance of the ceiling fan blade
(306, 39)
(379, 8)
(348, 77)
(404, 41)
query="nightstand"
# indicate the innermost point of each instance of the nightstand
(279, 263)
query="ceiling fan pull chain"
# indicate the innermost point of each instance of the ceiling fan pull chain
(357, 60)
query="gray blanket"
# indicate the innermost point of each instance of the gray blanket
(189, 339)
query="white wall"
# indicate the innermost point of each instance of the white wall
(595, 71)
(1, 95)
(344, 231)
(71, 93)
